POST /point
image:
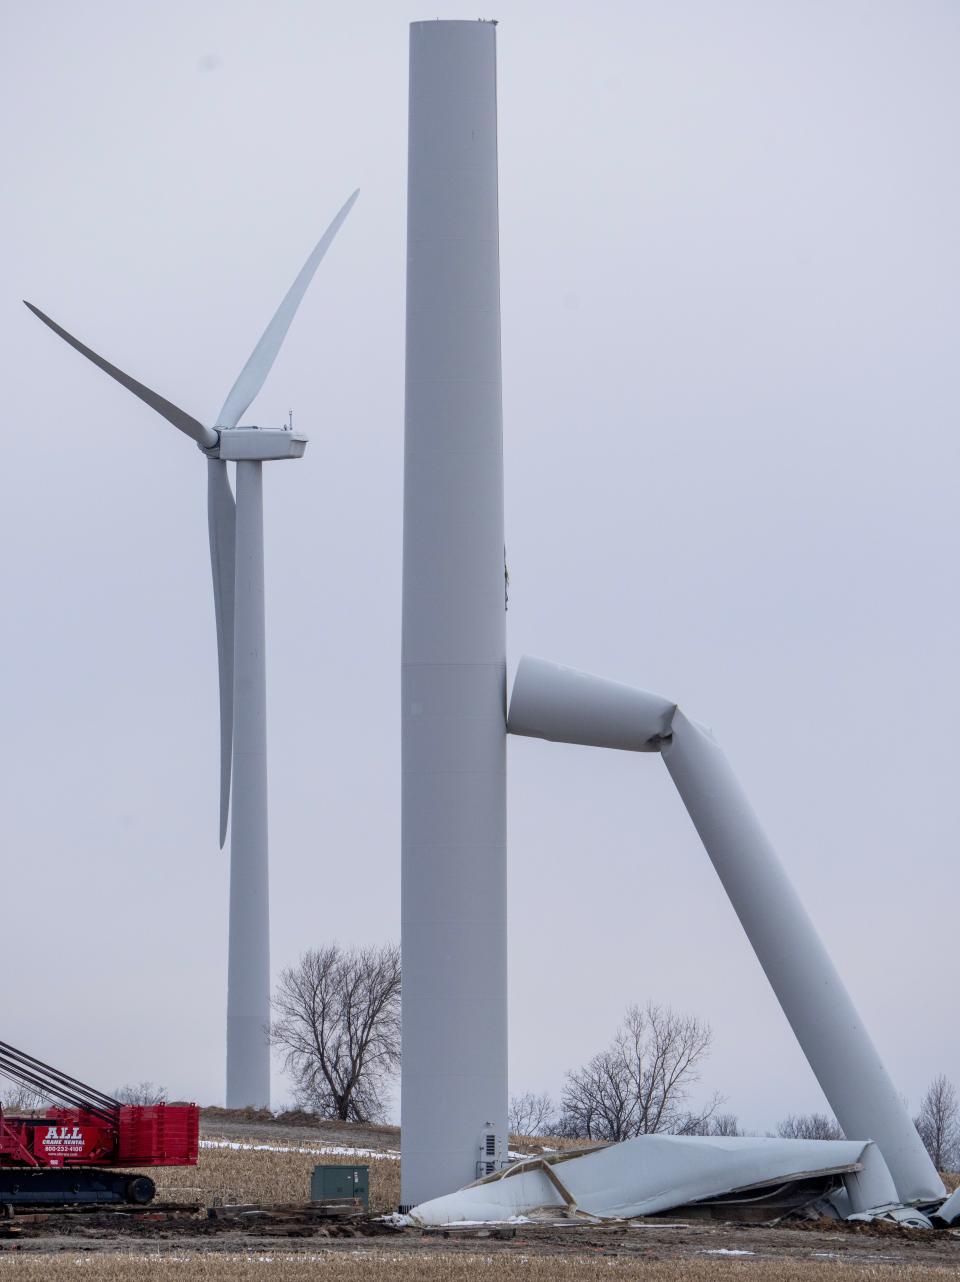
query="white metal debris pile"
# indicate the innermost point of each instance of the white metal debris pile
(845, 1179)
(949, 1211)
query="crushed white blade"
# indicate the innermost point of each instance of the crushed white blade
(656, 1173)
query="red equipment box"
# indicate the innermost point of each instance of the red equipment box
(154, 1135)
(159, 1135)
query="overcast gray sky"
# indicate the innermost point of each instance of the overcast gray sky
(730, 318)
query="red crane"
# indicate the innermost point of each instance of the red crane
(71, 1151)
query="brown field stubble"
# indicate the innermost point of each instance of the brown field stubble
(225, 1175)
(359, 1266)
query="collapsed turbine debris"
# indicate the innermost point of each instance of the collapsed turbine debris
(235, 530)
(844, 1179)
(558, 703)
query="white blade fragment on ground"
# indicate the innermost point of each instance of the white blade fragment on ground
(646, 1175)
(949, 1213)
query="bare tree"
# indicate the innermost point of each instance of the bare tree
(662, 1050)
(725, 1124)
(640, 1084)
(809, 1126)
(704, 1121)
(939, 1124)
(597, 1100)
(18, 1098)
(142, 1093)
(337, 1020)
(532, 1115)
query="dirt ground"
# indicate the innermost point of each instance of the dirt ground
(198, 1240)
(774, 1252)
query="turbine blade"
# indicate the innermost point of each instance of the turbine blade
(254, 373)
(222, 524)
(172, 413)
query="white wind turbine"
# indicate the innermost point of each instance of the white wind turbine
(236, 556)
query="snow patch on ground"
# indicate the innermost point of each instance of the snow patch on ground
(477, 1224)
(326, 1150)
(397, 1219)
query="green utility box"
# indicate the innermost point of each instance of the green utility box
(334, 1183)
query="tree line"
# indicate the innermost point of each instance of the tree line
(337, 1025)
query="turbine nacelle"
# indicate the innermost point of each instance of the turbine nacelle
(260, 444)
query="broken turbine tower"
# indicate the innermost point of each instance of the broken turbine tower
(454, 1071)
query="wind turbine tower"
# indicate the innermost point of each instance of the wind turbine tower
(454, 897)
(236, 556)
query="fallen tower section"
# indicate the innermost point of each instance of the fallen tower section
(561, 704)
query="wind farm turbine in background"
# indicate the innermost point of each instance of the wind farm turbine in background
(236, 556)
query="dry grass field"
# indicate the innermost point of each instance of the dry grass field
(361, 1266)
(266, 1175)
